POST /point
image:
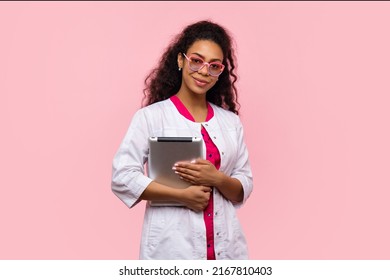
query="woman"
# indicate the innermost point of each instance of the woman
(190, 93)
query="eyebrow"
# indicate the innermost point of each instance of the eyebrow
(212, 60)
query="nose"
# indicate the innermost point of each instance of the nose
(204, 70)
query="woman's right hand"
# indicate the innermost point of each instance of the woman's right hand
(196, 197)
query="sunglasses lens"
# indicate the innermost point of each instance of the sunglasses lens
(215, 69)
(195, 64)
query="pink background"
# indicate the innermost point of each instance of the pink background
(314, 89)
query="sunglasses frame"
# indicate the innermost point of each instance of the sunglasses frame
(204, 64)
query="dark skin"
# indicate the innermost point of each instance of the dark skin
(202, 174)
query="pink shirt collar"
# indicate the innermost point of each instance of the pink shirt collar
(183, 110)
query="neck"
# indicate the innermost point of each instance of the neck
(197, 102)
(196, 105)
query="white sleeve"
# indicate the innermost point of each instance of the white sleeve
(128, 175)
(242, 170)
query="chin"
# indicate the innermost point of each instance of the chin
(198, 92)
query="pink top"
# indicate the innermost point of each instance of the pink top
(212, 155)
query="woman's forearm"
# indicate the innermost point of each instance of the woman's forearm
(231, 188)
(193, 197)
(156, 191)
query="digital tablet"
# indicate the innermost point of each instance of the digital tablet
(164, 152)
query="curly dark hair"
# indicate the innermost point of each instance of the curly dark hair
(165, 80)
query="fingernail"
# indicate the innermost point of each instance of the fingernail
(193, 161)
(173, 168)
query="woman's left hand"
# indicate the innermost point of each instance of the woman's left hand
(197, 172)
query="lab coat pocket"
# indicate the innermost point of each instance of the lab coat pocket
(239, 244)
(156, 224)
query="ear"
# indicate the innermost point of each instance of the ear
(180, 60)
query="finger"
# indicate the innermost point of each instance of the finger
(191, 164)
(184, 165)
(189, 171)
(188, 180)
(186, 162)
(186, 177)
(201, 161)
(186, 173)
(181, 163)
(206, 189)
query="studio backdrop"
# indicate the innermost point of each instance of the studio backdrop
(314, 94)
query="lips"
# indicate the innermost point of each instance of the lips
(200, 82)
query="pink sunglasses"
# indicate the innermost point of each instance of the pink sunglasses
(195, 63)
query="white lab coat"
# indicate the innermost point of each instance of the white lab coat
(177, 232)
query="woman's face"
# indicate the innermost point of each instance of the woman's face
(199, 82)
